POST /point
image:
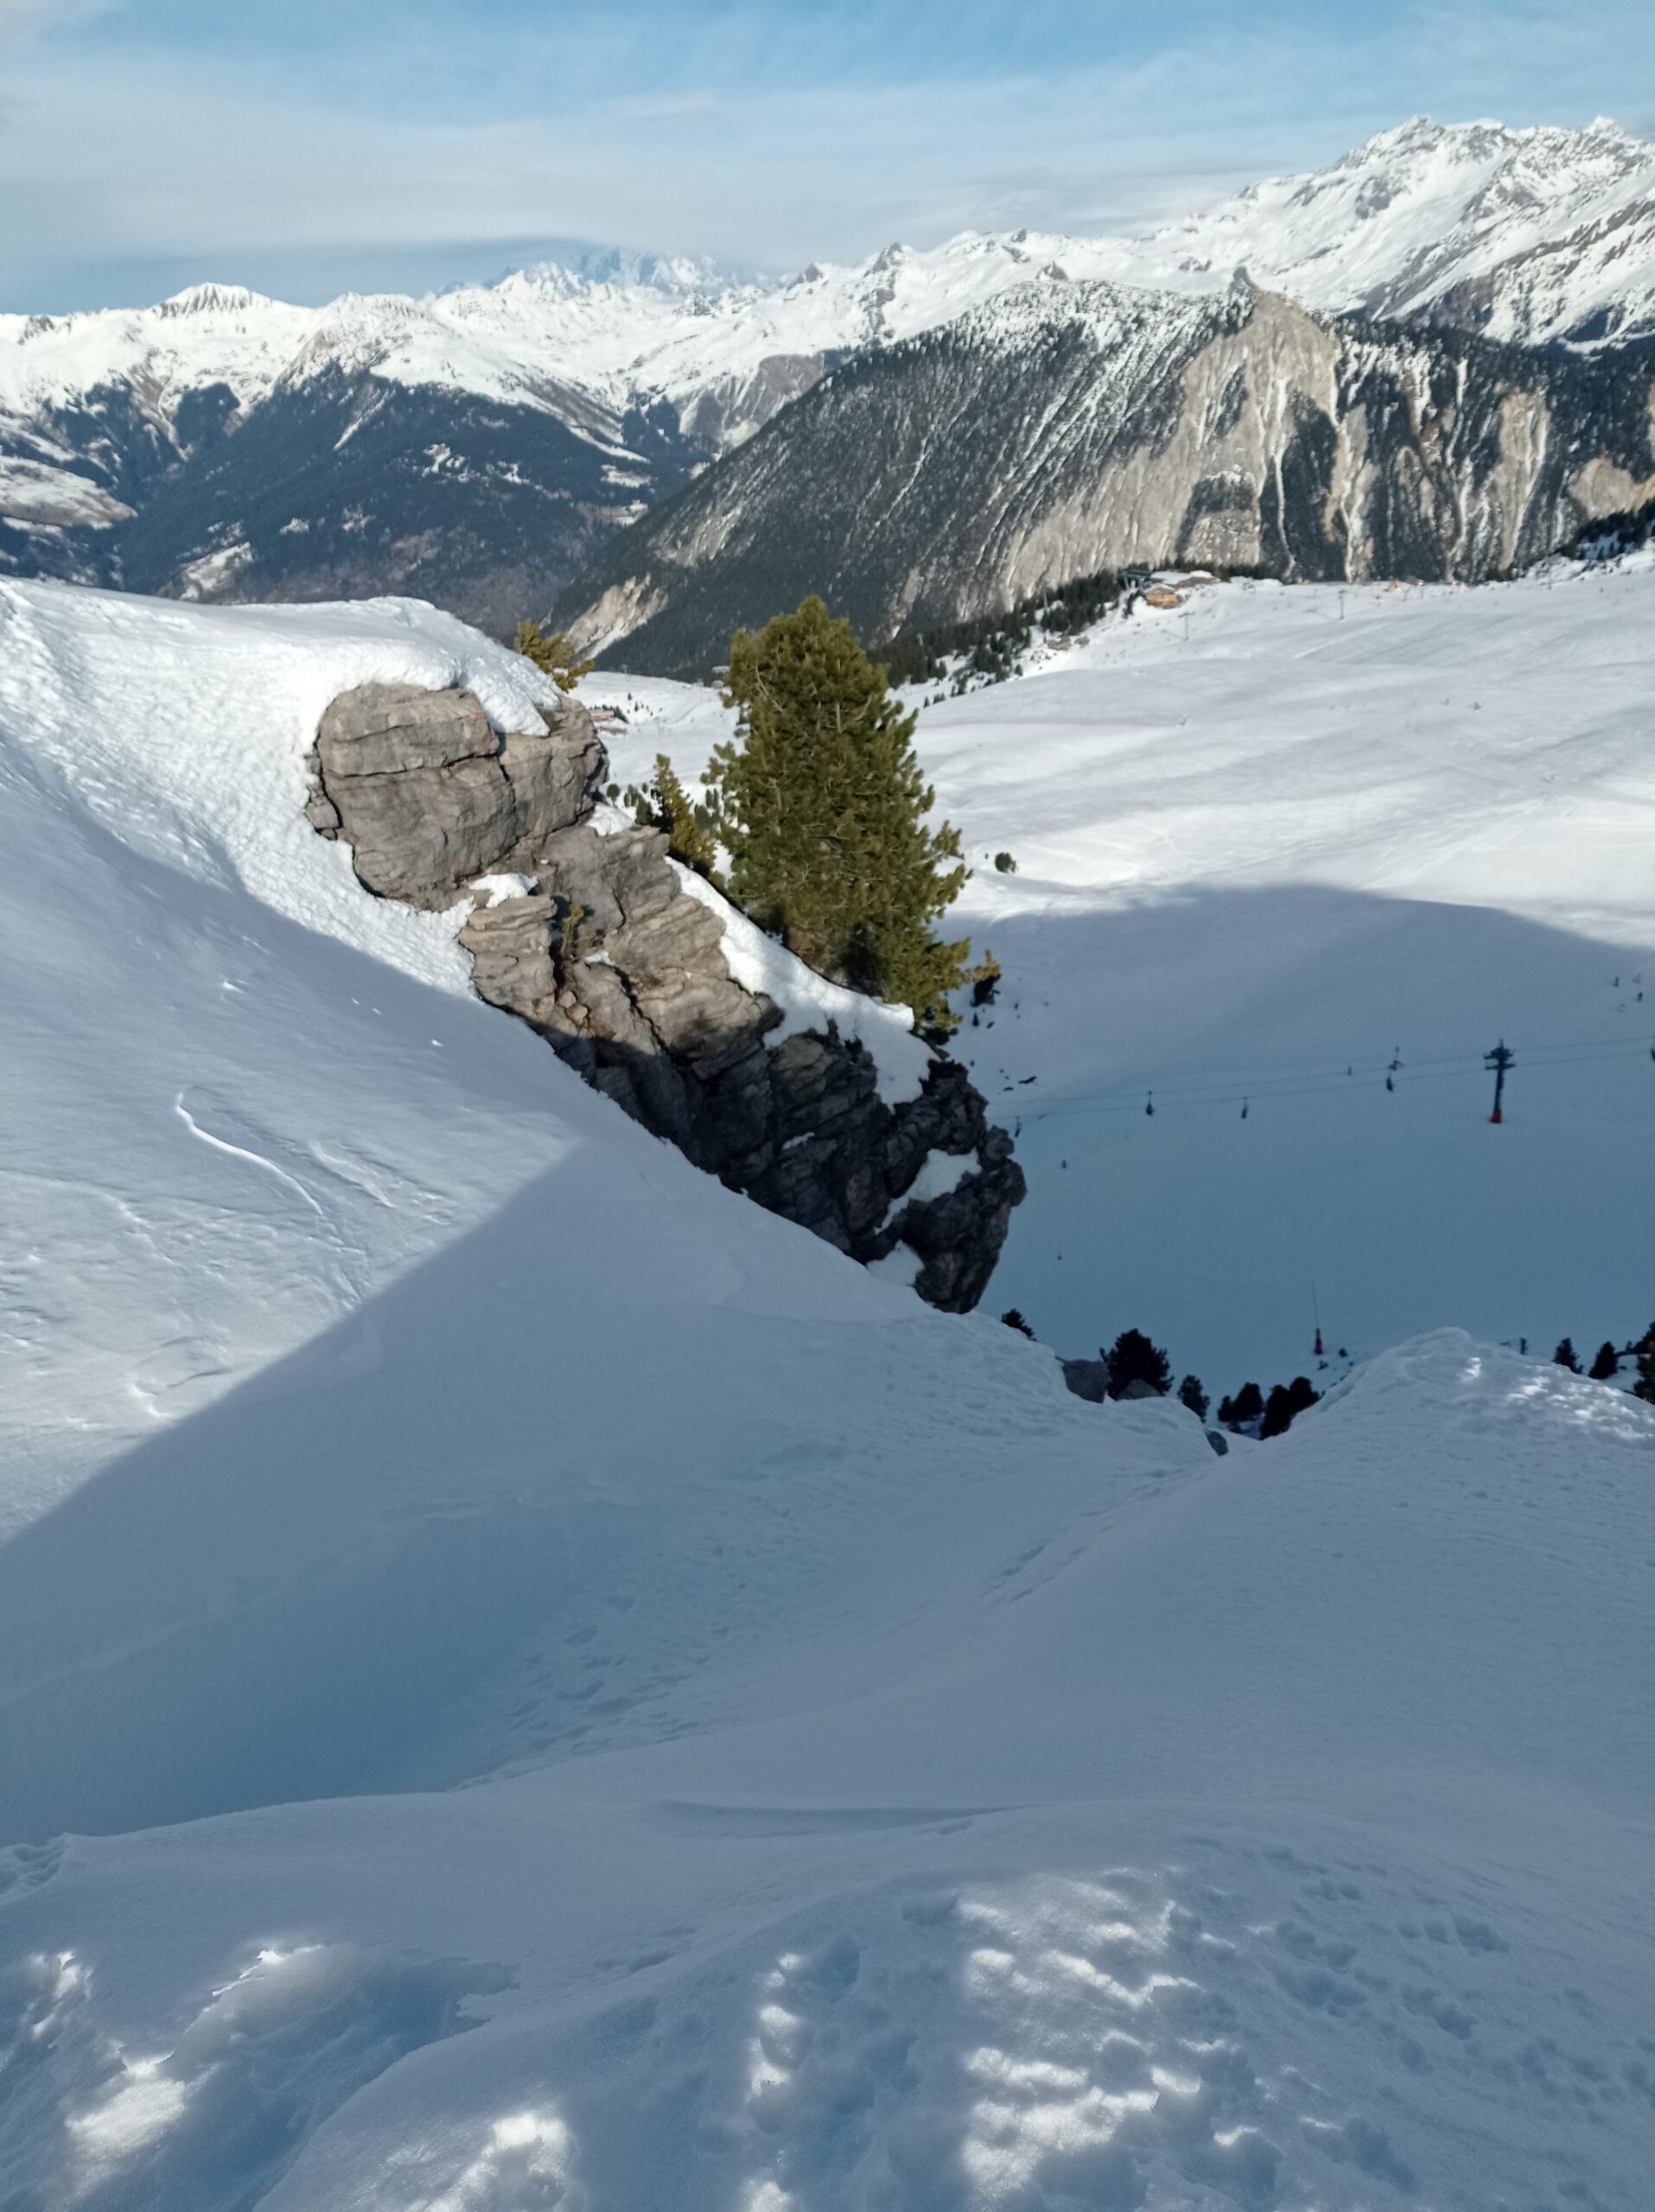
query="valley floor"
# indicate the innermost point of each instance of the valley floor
(1266, 846)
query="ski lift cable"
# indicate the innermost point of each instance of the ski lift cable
(1217, 1094)
(1324, 1088)
(1355, 1071)
(1560, 1054)
(1231, 1093)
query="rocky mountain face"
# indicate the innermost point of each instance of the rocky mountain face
(1066, 429)
(478, 447)
(584, 928)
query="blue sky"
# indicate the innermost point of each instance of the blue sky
(305, 146)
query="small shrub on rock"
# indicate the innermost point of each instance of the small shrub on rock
(554, 654)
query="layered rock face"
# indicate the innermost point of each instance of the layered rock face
(1069, 427)
(588, 934)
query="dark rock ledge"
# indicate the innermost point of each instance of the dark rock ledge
(623, 973)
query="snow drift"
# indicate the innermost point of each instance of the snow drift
(892, 1783)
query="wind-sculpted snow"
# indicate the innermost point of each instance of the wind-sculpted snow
(888, 1782)
(1236, 1835)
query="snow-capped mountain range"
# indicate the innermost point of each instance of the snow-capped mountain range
(479, 445)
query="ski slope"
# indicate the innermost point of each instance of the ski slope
(609, 1705)
(1269, 837)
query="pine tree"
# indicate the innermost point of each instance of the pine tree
(1286, 1401)
(1133, 1358)
(824, 816)
(1013, 1320)
(691, 830)
(1277, 1419)
(1247, 1405)
(1564, 1356)
(554, 654)
(1606, 1365)
(984, 980)
(1191, 1393)
(1643, 1353)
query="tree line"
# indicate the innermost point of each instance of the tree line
(1605, 1362)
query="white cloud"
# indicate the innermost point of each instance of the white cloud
(19, 17)
(124, 156)
(100, 161)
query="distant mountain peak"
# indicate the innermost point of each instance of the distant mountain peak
(213, 299)
(675, 276)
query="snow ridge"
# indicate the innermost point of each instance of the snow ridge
(1531, 234)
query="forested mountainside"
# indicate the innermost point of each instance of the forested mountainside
(1066, 429)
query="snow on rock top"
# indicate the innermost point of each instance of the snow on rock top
(185, 729)
(809, 1001)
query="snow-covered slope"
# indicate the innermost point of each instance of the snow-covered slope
(894, 1783)
(197, 992)
(1269, 836)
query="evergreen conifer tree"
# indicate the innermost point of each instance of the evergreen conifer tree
(1191, 1393)
(555, 654)
(1643, 1353)
(1248, 1404)
(1133, 1358)
(1606, 1365)
(824, 815)
(1278, 1414)
(1564, 1356)
(1286, 1401)
(691, 830)
(1013, 1320)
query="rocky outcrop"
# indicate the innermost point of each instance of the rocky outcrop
(434, 797)
(586, 933)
